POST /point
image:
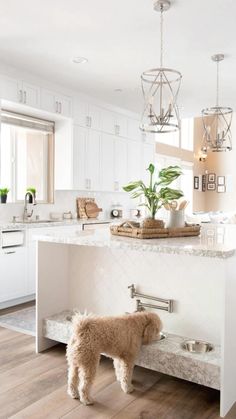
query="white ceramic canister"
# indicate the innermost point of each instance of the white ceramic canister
(176, 219)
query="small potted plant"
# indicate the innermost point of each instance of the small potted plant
(157, 193)
(3, 195)
(33, 191)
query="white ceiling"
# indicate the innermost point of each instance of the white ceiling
(120, 38)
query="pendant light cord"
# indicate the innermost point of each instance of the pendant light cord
(161, 38)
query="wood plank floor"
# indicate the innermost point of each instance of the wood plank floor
(34, 386)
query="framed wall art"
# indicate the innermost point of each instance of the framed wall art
(196, 182)
(211, 186)
(220, 180)
(211, 177)
(203, 183)
(221, 188)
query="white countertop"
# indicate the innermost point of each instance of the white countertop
(217, 241)
(39, 224)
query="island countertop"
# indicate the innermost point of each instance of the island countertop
(218, 241)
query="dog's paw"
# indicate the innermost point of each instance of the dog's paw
(128, 388)
(73, 393)
(86, 402)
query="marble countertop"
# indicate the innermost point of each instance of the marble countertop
(39, 224)
(218, 241)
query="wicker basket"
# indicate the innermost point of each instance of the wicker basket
(131, 229)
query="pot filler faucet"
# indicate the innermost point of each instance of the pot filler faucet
(27, 215)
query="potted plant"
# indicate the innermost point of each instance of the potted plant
(157, 193)
(3, 195)
(33, 191)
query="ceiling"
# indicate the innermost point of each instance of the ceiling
(120, 38)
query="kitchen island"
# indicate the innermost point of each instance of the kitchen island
(91, 271)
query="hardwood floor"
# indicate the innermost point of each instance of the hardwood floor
(33, 386)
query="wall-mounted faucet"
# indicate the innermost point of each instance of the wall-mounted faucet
(166, 305)
(27, 214)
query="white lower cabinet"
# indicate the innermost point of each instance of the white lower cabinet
(13, 273)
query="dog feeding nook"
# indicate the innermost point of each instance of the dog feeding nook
(166, 355)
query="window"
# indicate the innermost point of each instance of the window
(187, 133)
(169, 138)
(26, 156)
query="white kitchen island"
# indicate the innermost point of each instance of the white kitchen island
(92, 270)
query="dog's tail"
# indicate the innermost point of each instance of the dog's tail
(82, 323)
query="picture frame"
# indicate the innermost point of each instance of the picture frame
(211, 177)
(211, 186)
(220, 180)
(221, 188)
(203, 183)
(196, 182)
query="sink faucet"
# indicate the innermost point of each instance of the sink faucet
(27, 214)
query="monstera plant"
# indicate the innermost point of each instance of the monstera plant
(157, 193)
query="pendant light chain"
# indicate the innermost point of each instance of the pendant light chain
(217, 84)
(161, 37)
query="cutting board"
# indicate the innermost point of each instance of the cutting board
(92, 209)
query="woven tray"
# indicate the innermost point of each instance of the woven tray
(130, 229)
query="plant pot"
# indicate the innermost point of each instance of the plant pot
(3, 199)
(152, 223)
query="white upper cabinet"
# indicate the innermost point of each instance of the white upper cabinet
(87, 115)
(79, 158)
(56, 103)
(107, 162)
(86, 159)
(92, 168)
(134, 161)
(134, 132)
(147, 157)
(113, 123)
(20, 91)
(120, 164)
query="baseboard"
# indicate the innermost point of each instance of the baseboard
(17, 301)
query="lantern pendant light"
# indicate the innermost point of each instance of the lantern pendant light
(160, 87)
(217, 121)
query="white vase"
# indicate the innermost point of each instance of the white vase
(176, 219)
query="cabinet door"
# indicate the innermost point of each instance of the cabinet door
(108, 121)
(79, 156)
(63, 105)
(81, 113)
(93, 160)
(11, 89)
(147, 157)
(120, 164)
(31, 95)
(121, 125)
(48, 101)
(13, 273)
(95, 117)
(134, 161)
(107, 162)
(134, 132)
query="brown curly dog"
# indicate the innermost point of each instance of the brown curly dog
(118, 337)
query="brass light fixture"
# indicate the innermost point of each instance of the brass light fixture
(160, 88)
(217, 121)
